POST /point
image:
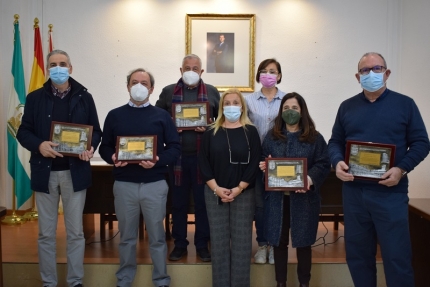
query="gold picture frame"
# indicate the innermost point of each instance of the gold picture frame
(228, 66)
(286, 174)
(190, 115)
(369, 161)
(72, 139)
(134, 149)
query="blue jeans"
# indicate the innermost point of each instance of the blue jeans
(180, 206)
(259, 208)
(370, 216)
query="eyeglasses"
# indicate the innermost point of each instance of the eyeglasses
(272, 72)
(375, 69)
(229, 148)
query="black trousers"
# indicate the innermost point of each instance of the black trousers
(304, 254)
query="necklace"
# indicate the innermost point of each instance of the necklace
(229, 147)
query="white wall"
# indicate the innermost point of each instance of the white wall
(414, 76)
(318, 44)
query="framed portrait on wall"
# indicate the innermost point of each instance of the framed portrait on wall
(226, 45)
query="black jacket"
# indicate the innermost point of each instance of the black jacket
(36, 127)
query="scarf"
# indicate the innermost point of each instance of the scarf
(178, 97)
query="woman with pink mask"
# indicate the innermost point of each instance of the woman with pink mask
(263, 107)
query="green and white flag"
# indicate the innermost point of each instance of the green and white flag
(18, 157)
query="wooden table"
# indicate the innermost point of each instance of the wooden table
(331, 200)
(100, 200)
(419, 226)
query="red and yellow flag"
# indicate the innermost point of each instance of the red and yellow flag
(37, 72)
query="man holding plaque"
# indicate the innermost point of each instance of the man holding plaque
(377, 210)
(140, 185)
(185, 174)
(64, 100)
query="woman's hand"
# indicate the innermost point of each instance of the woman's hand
(310, 182)
(233, 193)
(224, 194)
(262, 164)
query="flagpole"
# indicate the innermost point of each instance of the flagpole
(50, 49)
(32, 214)
(50, 45)
(14, 219)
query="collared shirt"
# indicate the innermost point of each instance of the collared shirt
(59, 94)
(136, 106)
(261, 112)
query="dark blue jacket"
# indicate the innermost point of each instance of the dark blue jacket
(36, 127)
(304, 207)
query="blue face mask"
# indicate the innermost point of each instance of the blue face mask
(372, 81)
(59, 75)
(232, 113)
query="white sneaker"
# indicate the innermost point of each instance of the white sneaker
(260, 256)
(271, 256)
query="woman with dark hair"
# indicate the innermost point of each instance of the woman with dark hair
(294, 136)
(263, 107)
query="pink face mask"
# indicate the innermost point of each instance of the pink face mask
(268, 80)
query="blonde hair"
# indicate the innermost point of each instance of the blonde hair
(244, 120)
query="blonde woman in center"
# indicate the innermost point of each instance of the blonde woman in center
(229, 156)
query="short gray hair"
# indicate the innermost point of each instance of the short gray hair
(192, 56)
(151, 77)
(54, 52)
(372, 53)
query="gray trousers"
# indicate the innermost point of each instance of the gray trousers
(130, 199)
(60, 183)
(231, 238)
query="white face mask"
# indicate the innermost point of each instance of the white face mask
(139, 92)
(190, 78)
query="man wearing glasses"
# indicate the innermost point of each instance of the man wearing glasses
(377, 210)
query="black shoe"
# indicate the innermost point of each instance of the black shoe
(79, 285)
(177, 253)
(203, 254)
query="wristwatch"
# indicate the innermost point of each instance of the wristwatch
(404, 172)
